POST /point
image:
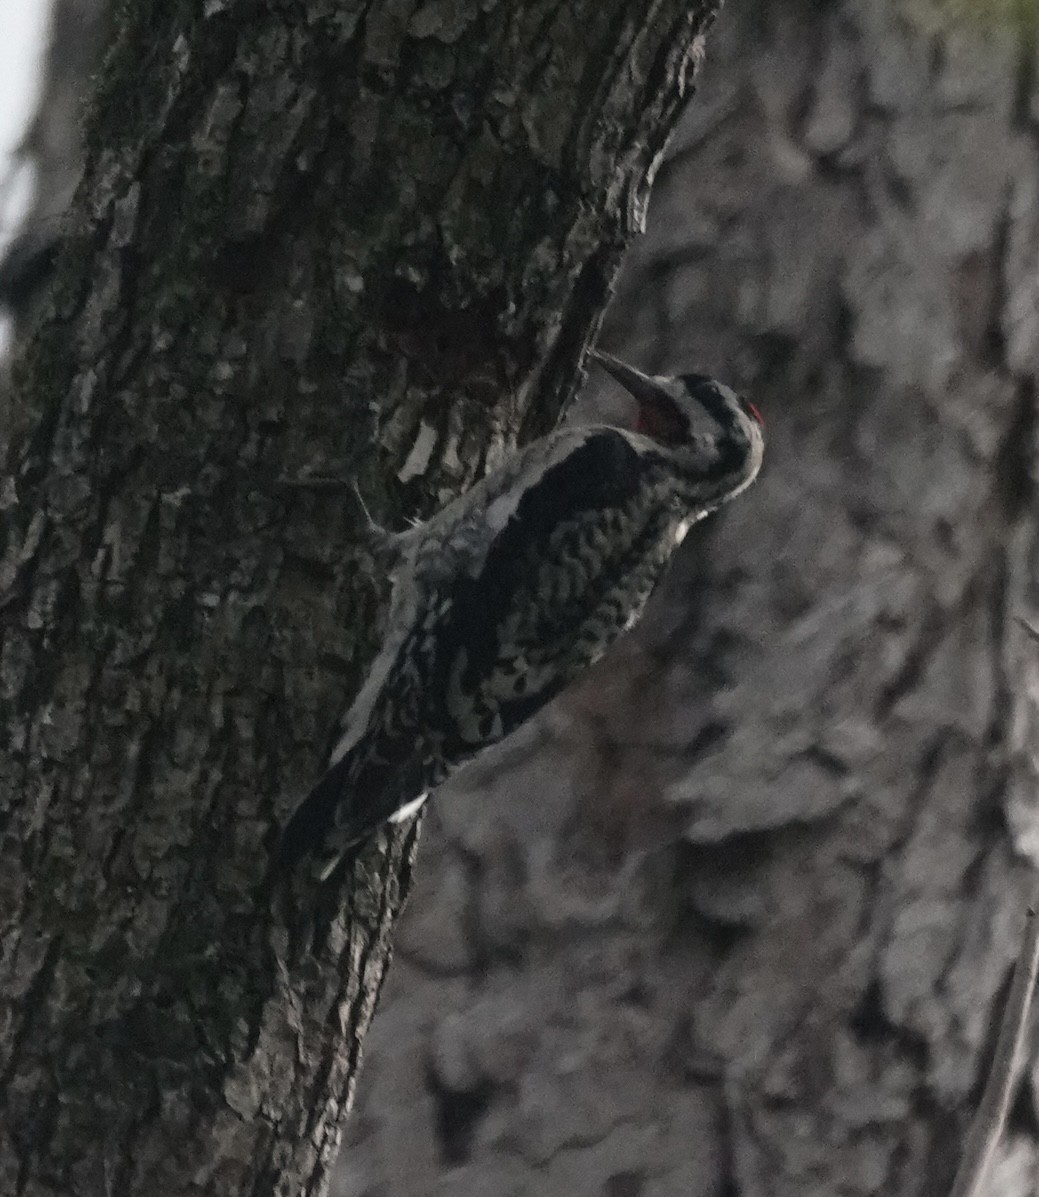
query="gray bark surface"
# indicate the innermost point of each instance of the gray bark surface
(332, 238)
(737, 917)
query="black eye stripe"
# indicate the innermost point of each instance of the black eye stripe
(694, 381)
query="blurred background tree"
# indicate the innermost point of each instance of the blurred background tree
(735, 917)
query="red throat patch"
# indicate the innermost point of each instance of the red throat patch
(661, 421)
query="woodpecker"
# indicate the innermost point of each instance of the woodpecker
(517, 586)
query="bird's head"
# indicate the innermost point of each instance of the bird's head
(667, 405)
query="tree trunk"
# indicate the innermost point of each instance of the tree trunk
(336, 239)
(738, 916)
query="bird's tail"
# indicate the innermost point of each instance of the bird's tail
(356, 796)
(315, 831)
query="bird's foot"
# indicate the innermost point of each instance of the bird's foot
(383, 544)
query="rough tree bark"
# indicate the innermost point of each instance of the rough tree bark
(351, 239)
(791, 991)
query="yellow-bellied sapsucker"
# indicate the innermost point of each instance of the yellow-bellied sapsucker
(513, 589)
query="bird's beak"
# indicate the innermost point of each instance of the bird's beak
(644, 387)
